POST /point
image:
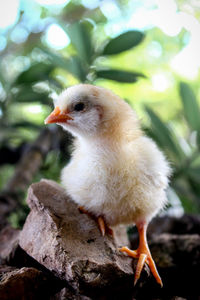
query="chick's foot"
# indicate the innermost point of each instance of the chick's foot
(103, 226)
(143, 254)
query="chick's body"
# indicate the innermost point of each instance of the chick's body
(125, 184)
(116, 172)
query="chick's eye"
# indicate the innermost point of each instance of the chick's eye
(79, 106)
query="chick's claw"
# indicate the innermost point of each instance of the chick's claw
(103, 226)
(82, 210)
(143, 256)
(132, 253)
(140, 265)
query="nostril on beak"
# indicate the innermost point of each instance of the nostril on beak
(57, 116)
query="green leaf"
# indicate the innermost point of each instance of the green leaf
(36, 72)
(190, 106)
(27, 95)
(164, 136)
(25, 124)
(123, 42)
(58, 61)
(118, 75)
(196, 161)
(80, 38)
(190, 206)
(72, 64)
(194, 174)
(78, 69)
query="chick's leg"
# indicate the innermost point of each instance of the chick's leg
(143, 254)
(103, 226)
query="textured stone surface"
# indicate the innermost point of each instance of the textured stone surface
(24, 283)
(67, 294)
(69, 243)
(173, 250)
(186, 224)
(9, 238)
(178, 260)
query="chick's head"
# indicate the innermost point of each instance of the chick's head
(85, 110)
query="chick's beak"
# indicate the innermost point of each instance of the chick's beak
(58, 117)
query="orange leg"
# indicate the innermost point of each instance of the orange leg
(103, 226)
(143, 254)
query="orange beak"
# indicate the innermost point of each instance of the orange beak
(58, 117)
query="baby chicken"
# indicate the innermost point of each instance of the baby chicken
(116, 173)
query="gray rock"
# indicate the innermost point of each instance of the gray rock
(24, 283)
(178, 260)
(69, 243)
(176, 251)
(67, 294)
(9, 238)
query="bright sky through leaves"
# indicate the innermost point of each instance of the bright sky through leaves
(56, 37)
(8, 12)
(155, 13)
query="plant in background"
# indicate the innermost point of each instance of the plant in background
(83, 61)
(84, 65)
(35, 84)
(184, 151)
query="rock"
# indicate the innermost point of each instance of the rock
(19, 271)
(178, 260)
(24, 283)
(11, 253)
(171, 250)
(67, 294)
(186, 224)
(70, 245)
(9, 239)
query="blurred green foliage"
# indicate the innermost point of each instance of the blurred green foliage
(183, 152)
(92, 57)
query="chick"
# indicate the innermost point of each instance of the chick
(116, 173)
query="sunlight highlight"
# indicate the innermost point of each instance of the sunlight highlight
(8, 12)
(171, 21)
(52, 2)
(33, 109)
(91, 4)
(166, 17)
(110, 9)
(56, 37)
(187, 61)
(160, 82)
